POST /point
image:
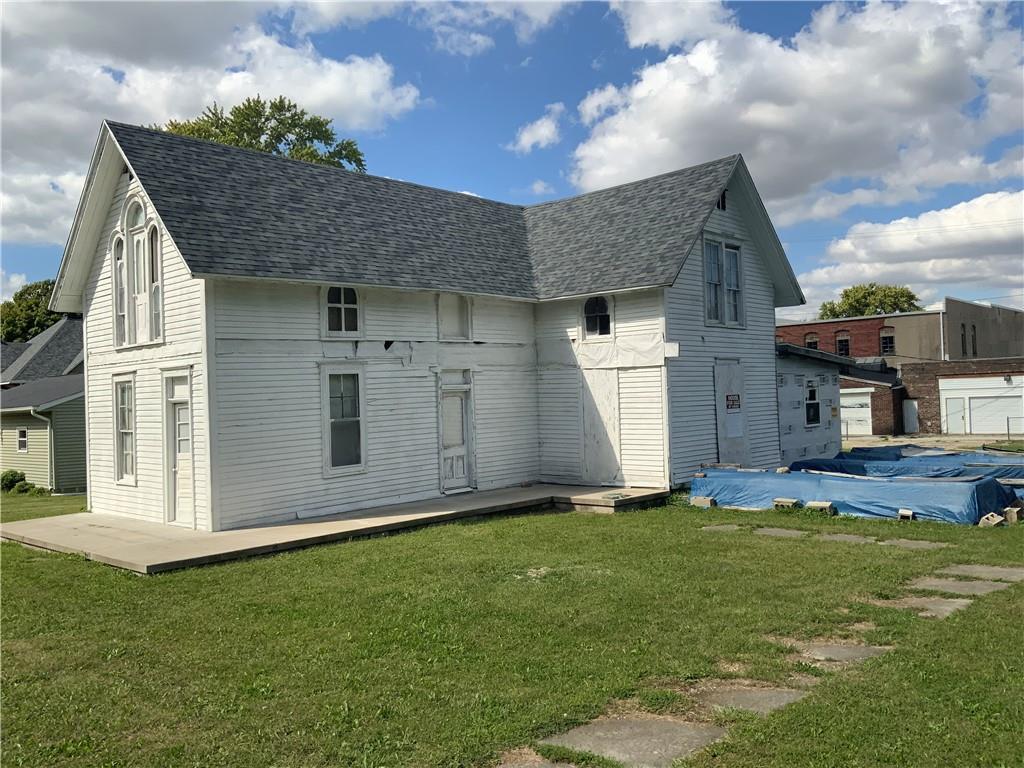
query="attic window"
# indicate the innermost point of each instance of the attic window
(720, 205)
(342, 310)
(597, 318)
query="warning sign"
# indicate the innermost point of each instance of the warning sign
(732, 402)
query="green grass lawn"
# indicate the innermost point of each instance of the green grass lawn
(437, 647)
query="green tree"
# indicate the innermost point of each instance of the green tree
(870, 299)
(25, 315)
(279, 127)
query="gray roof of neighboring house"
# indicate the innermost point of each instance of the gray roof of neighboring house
(10, 351)
(49, 353)
(241, 213)
(41, 392)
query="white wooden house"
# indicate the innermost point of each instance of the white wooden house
(269, 339)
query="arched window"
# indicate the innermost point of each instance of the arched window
(811, 341)
(597, 318)
(974, 341)
(963, 339)
(155, 297)
(843, 343)
(137, 277)
(342, 310)
(136, 216)
(887, 340)
(120, 279)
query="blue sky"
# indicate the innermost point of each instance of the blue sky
(886, 140)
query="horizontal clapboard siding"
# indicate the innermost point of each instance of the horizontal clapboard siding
(69, 445)
(561, 438)
(641, 426)
(35, 462)
(181, 349)
(505, 403)
(693, 428)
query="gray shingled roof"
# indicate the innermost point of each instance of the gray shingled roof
(48, 353)
(33, 394)
(236, 212)
(10, 351)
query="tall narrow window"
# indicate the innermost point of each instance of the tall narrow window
(811, 341)
(812, 408)
(120, 271)
(453, 312)
(124, 421)
(843, 343)
(713, 281)
(974, 340)
(597, 318)
(720, 205)
(963, 339)
(344, 425)
(342, 310)
(155, 298)
(22, 440)
(732, 285)
(887, 341)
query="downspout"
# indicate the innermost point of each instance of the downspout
(49, 444)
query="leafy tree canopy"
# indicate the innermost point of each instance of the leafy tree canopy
(26, 315)
(870, 299)
(279, 127)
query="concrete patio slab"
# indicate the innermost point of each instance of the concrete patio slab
(782, 533)
(147, 547)
(993, 572)
(914, 544)
(752, 699)
(848, 538)
(957, 587)
(639, 742)
(927, 607)
(724, 527)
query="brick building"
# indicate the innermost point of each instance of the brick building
(989, 391)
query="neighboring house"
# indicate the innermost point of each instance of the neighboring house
(961, 330)
(57, 351)
(42, 432)
(812, 418)
(270, 339)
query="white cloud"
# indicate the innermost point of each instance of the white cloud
(891, 101)
(63, 72)
(973, 248)
(541, 187)
(9, 284)
(542, 132)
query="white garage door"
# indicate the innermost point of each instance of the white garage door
(989, 414)
(855, 411)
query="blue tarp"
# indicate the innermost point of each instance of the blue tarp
(916, 461)
(963, 501)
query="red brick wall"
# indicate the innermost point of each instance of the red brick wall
(864, 335)
(886, 407)
(921, 381)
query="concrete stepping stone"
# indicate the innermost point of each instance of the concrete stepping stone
(993, 572)
(914, 544)
(928, 607)
(850, 653)
(639, 742)
(782, 533)
(849, 538)
(724, 527)
(752, 699)
(957, 587)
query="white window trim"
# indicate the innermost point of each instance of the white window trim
(124, 233)
(126, 480)
(733, 244)
(325, 332)
(156, 332)
(326, 371)
(18, 439)
(469, 319)
(583, 336)
(816, 386)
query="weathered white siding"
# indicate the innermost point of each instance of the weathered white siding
(269, 349)
(181, 349)
(69, 445)
(641, 426)
(798, 439)
(35, 462)
(693, 429)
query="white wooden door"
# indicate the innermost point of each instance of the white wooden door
(183, 504)
(601, 463)
(956, 416)
(730, 411)
(454, 441)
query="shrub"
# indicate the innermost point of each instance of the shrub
(11, 478)
(22, 486)
(35, 490)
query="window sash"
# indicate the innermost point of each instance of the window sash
(124, 425)
(22, 440)
(812, 407)
(344, 420)
(887, 344)
(155, 295)
(843, 347)
(713, 281)
(597, 317)
(342, 309)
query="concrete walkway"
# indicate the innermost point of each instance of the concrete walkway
(147, 547)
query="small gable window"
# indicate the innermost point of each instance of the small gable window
(597, 318)
(720, 205)
(843, 343)
(342, 310)
(887, 341)
(811, 341)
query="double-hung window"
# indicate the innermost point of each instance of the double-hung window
(344, 417)
(22, 440)
(723, 283)
(887, 341)
(124, 430)
(812, 407)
